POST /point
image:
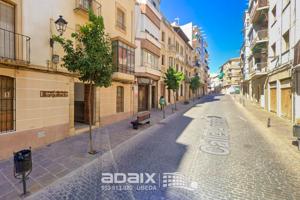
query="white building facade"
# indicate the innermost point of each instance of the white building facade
(272, 64)
(147, 66)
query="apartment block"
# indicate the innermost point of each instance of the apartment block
(42, 101)
(200, 54)
(232, 76)
(147, 69)
(271, 71)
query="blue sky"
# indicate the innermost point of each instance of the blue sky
(221, 20)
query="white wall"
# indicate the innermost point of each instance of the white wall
(285, 20)
(188, 31)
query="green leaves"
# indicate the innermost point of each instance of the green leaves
(173, 79)
(91, 57)
(221, 75)
(195, 83)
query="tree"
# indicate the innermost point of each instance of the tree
(90, 58)
(195, 84)
(173, 79)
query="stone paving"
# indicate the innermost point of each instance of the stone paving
(59, 159)
(281, 127)
(258, 164)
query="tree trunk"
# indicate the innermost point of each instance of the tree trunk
(193, 96)
(92, 151)
(175, 100)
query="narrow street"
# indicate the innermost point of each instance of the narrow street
(222, 152)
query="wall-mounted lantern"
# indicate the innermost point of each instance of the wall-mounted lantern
(61, 26)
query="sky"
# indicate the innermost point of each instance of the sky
(221, 20)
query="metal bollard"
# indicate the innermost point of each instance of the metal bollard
(269, 122)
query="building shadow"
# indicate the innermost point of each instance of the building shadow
(154, 151)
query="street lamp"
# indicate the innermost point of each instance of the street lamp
(61, 26)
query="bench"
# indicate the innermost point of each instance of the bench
(141, 119)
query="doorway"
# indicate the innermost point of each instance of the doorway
(286, 102)
(143, 97)
(273, 100)
(81, 104)
(153, 97)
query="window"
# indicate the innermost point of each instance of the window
(177, 47)
(169, 41)
(171, 62)
(123, 57)
(121, 19)
(181, 50)
(150, 60)
(163, 36)
(154, 4)
(163, 60)
(120, 99)
(7, 104)
(274, 49)
(274, 12)
(286, 41)
(7, 28)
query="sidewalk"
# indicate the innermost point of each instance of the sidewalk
(60, 158)
(281, 128)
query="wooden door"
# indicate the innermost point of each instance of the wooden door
(286, 102)
(6, 104)
(142, 98)
(273, 100)
(153, 97)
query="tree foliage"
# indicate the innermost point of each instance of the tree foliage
(173, 79)
(90, 58)
(195, 83)
(91, 55)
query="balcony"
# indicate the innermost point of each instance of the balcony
(14, 48)
(258, 8)
(260, 40)
(196, 63)
(179, 57)
(259, 69)
(124, 73)
(286, 57)
(297, 54)
(172, 48)
(83, 6)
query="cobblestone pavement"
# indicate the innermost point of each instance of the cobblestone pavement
(60, 158)
(223, 152)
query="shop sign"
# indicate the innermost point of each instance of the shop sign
(53, 93)
(144, 81)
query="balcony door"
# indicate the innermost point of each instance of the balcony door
(7, 28)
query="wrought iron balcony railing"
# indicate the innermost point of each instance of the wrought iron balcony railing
(259, 68)
(14, 47)
(125, 69)
(260, 36)
(172, 48)
(121, 25)
(257, 4)
(85, 5)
